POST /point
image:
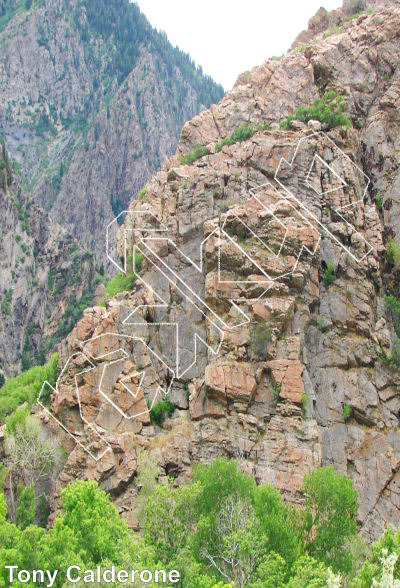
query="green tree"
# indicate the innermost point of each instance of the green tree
(3, 508)
(93, 519)
(388, 542)
(26, 507)
(236, 545)
(309, 573)
(329, 516)
(279, 522)
(271, 573)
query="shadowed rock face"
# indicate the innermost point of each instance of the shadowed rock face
(323, 341)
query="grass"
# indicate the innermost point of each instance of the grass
(328, 110)
(277, 390)
(26, 386)
(120, 283)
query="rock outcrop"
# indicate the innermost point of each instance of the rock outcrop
(275, 266)
(86, 137)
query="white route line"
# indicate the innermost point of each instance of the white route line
(188, 293)
(302, 205)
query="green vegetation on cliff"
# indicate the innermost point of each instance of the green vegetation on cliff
(328, 110)
(26, 386)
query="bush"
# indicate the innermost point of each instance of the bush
(26, 387)
(242, 133)
(393, 252)
(5, 303)
(161, 410)
(260, 336)
(328, 110)
(120, 283)
(142, 193)
(304, 401)
(346, 412)
(329, 275)
(198, 152)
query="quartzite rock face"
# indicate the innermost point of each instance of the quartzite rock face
(278, 408)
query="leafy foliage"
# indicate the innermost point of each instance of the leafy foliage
(393, 252)
(222, 512)
(329, 275)
(26, 508)
(161, 410)
(5, 168)
(328, 110)
(242, 133)
(331, 505)
(198, 152)
(120, 283)
(26, 387)
(346, 412)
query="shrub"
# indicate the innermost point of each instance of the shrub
(120, 283)
(138, 262)
(266, 126)
(5, 303)
(260, 336)
(393, 252)
(378, 202)
(346, 412)
(26, 387)
(395, 358)
(328, 110)
(142, 193)
(160, 410)
(198, 152)
(242, 133)
(329, 275)
(102, 303)
(304, 401)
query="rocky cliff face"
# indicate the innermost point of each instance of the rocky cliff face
(260, 303)
(45, 276)
(85, 133)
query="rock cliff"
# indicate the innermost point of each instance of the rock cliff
(92, 101)
(259, 304)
